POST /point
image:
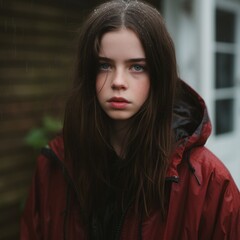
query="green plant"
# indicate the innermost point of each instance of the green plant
(39, 137)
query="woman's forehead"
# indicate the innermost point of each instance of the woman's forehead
(121, 43)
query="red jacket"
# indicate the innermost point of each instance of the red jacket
(204, 202)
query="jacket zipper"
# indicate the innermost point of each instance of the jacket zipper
(174, 179)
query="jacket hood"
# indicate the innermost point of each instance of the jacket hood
(191, 124)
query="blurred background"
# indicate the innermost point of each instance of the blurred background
(37, 50)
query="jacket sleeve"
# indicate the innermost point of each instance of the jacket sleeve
(31, 220)
(228, 218)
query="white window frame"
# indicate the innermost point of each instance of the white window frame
(230, 92)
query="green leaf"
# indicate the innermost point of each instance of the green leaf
(36, 138)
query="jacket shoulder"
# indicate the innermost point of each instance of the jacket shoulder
(50, 156)
(208, 165)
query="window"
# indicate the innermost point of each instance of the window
(225, 26)
(225, 56)
(224, 115)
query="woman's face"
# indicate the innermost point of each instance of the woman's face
(122, 82)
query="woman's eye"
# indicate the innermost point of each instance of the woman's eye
(104, 66)
(138, 68)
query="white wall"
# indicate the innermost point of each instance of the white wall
(191, 25)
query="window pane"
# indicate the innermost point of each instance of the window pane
(224, 70)
(225, 26)
(224, 116)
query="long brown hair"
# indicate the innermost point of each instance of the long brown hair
(149, 139)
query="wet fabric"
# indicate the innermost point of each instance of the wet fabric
(204, 201)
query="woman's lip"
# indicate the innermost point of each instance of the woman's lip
(118, 102)
(118, 99)
(118, 105)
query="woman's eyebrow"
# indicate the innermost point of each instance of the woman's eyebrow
(131, 60)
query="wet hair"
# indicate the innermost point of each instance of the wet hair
(149, 140)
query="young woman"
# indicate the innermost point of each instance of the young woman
(131, 162)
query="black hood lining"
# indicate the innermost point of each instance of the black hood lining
(187, 112)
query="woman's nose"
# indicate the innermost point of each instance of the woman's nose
(119, 80)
